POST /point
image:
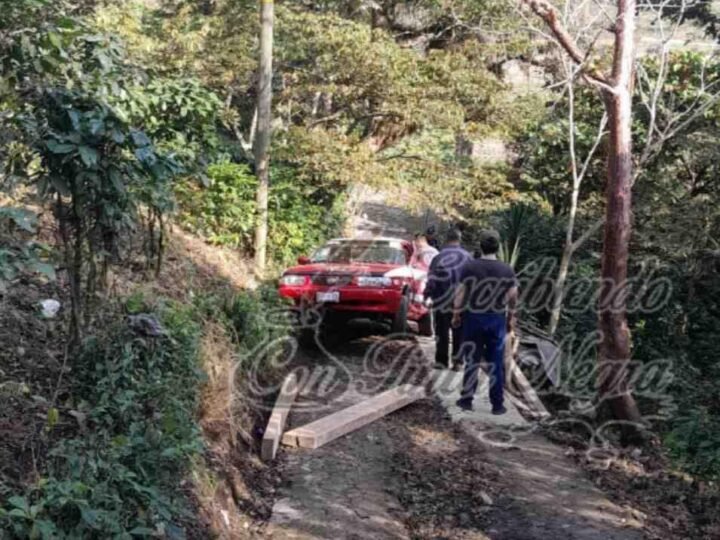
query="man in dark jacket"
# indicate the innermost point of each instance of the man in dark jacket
(485, 302)
(443, 276)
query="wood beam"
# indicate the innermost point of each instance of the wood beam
(278, 417)
(335, 425)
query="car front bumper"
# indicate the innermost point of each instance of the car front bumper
(378, 300)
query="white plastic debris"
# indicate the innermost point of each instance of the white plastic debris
(50, 308)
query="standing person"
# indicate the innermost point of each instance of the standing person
(443, 278)
(423, 254)
(430, 235)
(485, 300)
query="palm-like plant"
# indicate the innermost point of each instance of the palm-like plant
(510, 253)
(512, 225)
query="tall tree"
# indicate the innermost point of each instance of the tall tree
(262, 139)
(616, 90)
(615, 342)
(664, 112)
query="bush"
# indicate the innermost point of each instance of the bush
(257, 316)
(300, 215)
(694, 442)
(224, 211)
(135, 399)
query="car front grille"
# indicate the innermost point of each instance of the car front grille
(332, 281)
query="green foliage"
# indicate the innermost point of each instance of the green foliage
(93, 156)
(694, 441)
(331, 117)
(528, 225)
(546, 168)
(301, 215)
(257, 317)
(427, 166)
(18, 255)
(322, 52)
(97, 170)
(224, 212)
(180, 115)
(675, 226)
(686, 158)
(137, 398)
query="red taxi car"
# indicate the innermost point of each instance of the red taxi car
(358, 278)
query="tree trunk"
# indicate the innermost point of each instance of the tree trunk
(614, 349)
(262, 140)
(559, 285)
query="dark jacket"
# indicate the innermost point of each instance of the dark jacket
(444, 274)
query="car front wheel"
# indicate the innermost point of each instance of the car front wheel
(399, 324)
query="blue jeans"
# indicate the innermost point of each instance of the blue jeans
(484, 336)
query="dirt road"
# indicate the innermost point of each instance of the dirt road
(429, 471)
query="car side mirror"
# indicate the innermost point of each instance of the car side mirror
(303, 259)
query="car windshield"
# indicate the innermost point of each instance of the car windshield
(366, 252)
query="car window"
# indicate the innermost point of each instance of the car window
(382, 254)
(321, 255)
(360, 252)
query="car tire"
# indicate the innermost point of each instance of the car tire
(399, 324)
(425, 325)
(307, 330)
(307, 339)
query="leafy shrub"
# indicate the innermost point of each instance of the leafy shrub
(224, 211)
(300, 215)
(256, 316)
(18, 256)
(251, 316)
(180, 115)
(135, 401)
(530, 226)
(694, 442)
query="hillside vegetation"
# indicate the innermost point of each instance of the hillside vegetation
(127, 194)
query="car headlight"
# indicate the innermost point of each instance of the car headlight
(292, 279)
(371, 281)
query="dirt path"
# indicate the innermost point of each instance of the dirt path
(344, 489)
(430, 471)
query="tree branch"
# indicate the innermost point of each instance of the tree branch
(600, 134)
(584, 237)
(549, 14)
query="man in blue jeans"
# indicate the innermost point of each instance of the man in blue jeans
(485, 304)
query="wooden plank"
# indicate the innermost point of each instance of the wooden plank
(278, 417)
(329, 428)
(517, 384)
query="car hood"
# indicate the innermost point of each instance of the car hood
(356, 269)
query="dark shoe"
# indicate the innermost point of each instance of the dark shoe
(457, 366)
(464, 404)
(499, 410)
(440, 365)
